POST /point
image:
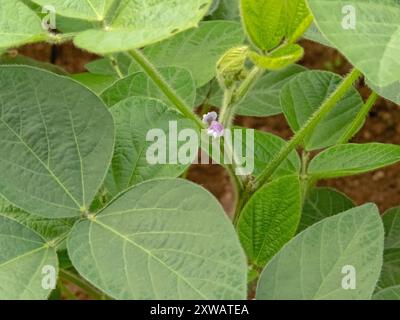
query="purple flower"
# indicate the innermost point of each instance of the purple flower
(216, 129)
(210, 117)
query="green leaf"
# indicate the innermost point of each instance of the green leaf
(270, 219)
(57, 140)
(311, 265)
(19, 24)
(278, 59)
(391, 293)
(136, 24)
(95, 82)
(264, 22)
(266, 147)
(197, 49)
(262, 100)
(139, 84)
(390, 92)
(23, 254)
(373, 48)
(350, 159)
(321, 203)
(305, 93)
(166, 239)
(134, 118)
(92, 10)
(49, 229)
(8, 59)
(104, 66)
(390, 275)
(298, 19)
(227, 10)
(313, 34)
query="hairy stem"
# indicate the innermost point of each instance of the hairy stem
(325, 108)
(163, 85)
(360, 118)
(114, 64)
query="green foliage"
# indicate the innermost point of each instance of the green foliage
(270, 219)
(310, 266)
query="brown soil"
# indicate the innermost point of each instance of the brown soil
(381, 187)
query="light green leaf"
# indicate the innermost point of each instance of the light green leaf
(298, 19)
(391, 222)
(92, 10)
(305, 93)
(139, 84)
(197, 49)
(57, 140)
(95, 82)
(390, 92)
(138, 23)
(264, 21)
(315, 35)
(310, 266)
(373, 48)
(19, 24)
(321, 203)
(391, 293)
(134, 118)
(23, 254)
(166, 239)
(262, 100)
(270, 219)
(350, 159)
(278, 59)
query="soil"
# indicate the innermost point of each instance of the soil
(381, 187)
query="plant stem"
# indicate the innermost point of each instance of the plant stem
(89, 289)
(325, 108)
(158, 79)
(115, 66)
(305, 158)
(360, 118)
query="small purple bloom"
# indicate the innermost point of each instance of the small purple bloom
(216, 129)
(210, 117)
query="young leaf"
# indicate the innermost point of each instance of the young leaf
(350, 159)
(390, 293)
(278, 59)
(298, 19)
(166, 239)
(19, 24)
(262, 99)
(270, 219)
(315, 264)
(372, 48)
(321, 203)
(23, 255)
(139, 84)
(136, 24)
(264, 21)
(134, 118)
(305, 93)
(197, 49)
(57, 140)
